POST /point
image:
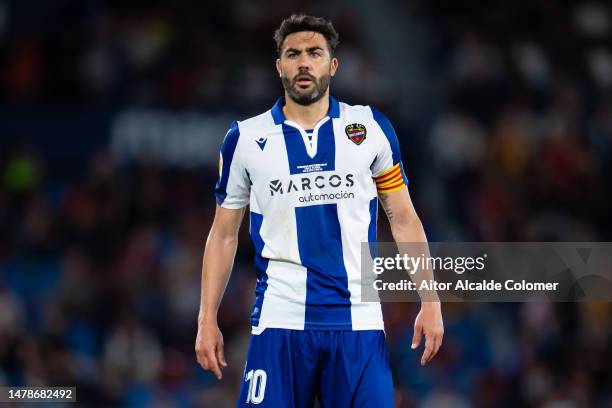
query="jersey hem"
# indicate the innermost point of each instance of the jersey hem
(233, 206)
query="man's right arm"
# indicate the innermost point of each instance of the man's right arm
(216, 268)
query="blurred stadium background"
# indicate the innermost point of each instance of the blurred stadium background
(111, 116)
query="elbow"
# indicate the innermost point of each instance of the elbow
(230, 240)
(223, 239)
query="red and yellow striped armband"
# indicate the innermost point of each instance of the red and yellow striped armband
(391, 180)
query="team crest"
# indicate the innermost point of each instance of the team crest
(356, 132)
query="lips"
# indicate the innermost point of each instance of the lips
(304, 80)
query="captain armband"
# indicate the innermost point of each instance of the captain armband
(391, 180)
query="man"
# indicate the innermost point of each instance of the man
(311, 169)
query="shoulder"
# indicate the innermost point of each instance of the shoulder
(351, 112)
(370, 117)
(380, 117)
(384, 124)
(364, 112)
(256, 124)
(249, 128)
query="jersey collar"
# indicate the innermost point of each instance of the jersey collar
(279, 116)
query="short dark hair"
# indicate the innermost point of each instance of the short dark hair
(303, 22)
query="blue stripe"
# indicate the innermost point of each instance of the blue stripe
(403, 174)
(328, 305)
(372, 227)
(277, 111)
(261, 266)
(227, 152)
(334, 108)
(296, 149)
(389, 132)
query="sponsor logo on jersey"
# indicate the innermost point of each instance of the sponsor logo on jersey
(356, 132)
(306, 183)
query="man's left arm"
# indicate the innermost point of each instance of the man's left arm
(406, 227)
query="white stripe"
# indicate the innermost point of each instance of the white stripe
(354, 222)
(285, 298)
(354, 218)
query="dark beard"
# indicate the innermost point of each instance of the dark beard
(305, 99)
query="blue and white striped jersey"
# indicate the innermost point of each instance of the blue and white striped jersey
(313, 201)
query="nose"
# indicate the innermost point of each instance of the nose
(304, 63)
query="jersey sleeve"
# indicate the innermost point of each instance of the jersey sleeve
(387, 168)
(233, 186)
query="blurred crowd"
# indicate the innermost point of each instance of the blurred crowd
(522, 147)
(185, 53)
(100, 268)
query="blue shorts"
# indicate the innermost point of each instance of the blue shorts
(290, 368)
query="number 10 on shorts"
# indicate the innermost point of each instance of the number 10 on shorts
(257, 386)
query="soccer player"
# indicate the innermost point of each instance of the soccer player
(312, 170)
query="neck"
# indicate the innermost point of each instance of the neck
(306, 116)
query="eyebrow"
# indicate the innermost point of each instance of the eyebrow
(309, 49)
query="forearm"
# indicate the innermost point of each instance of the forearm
(409, 235)
(408, 229)
(217, 265)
